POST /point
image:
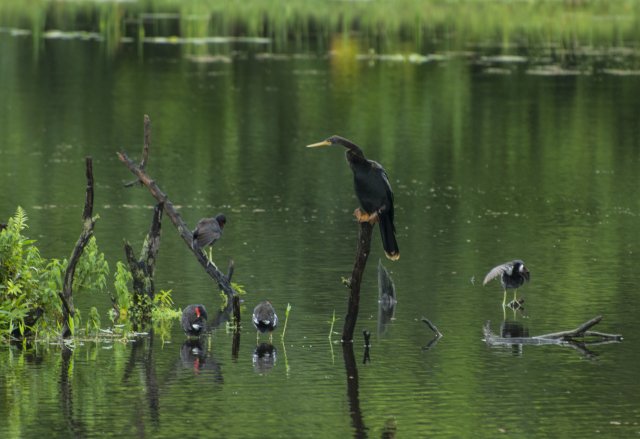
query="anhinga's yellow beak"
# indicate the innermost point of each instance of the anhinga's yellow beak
(316, 145)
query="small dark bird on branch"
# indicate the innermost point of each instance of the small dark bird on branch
(207, 232)
(373, 191)
(194, 320)
(512, 275)
(264, 318)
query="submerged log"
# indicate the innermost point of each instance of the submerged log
(579, 338)
(362, 253)
(66, 295)
(437, 334)
(184, 232)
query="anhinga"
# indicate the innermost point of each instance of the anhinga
(512, 275)
(264, 318)
(194, 320)
(207, 232)
(373, 190)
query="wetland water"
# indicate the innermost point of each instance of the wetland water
(489, 160)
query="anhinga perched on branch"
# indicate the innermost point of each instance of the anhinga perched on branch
(373, 190)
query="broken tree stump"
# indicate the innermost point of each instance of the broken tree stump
(142, 269)
(354, 283)
(88, 221)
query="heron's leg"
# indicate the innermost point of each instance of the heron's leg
(257, 337)
(504, 298)
(271, 337)
(210, 254)
(514, 294)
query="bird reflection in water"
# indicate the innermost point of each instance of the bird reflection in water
(195, 357)
(386, 299)
(514, 329)
(264, 358)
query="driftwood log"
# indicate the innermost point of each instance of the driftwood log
(66, 295)
(579, 338)
(354, 283)
(178, 222)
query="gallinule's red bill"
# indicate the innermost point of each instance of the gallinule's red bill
(512, 276)
(373, 191)
(194, 320)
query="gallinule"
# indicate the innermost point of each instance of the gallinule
(512, 276)
(194, 320)
(264, 319)
(207, 232)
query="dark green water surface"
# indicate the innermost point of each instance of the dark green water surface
(489, 162)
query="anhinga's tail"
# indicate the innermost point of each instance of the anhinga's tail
(388, 233)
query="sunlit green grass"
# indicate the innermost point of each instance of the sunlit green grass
(383, 24)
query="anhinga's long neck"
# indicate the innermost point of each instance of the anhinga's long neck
(354, 153)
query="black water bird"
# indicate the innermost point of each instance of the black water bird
(512, 275)
(373, 191)
(194, 320)
(264, 318)
(207, 232)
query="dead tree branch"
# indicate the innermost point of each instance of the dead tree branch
(66, 295)
(570, 337)
(145, 148)
(431, 326)
(176, 219)
(354, 283)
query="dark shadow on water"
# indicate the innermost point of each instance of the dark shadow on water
(357, 421)
(142, 352)
(76, 428)
(264, 357)
(514, 329)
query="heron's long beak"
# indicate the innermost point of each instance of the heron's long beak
(316, 145)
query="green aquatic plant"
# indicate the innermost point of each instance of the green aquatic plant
(122, 298)
(286, 319)
(28, 282)
(381, 25)
(332, 322)
(29, 287)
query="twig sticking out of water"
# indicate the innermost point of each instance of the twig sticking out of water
(433, 327)
(145, 149)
